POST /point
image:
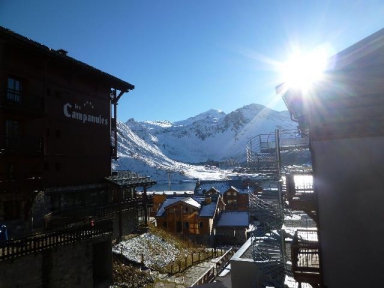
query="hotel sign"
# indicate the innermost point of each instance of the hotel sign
(75, 112)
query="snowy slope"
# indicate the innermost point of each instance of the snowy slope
(212, 134)
(155, 147)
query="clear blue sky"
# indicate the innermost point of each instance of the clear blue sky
(185, 57)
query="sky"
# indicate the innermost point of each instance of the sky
(188, 56)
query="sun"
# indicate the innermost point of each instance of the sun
(302, 71)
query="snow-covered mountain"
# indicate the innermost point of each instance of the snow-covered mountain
(155, 147)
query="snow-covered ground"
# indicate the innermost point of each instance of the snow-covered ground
(148, 249)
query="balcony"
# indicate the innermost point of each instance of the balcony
(300, 194)
(16, 101)
(20, 144)
(21, 181)
(305, 257)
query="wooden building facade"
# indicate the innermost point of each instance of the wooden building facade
(58, 132)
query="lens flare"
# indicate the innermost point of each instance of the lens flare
(301, 71)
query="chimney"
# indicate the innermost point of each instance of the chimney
(62, 52)
(208, 200)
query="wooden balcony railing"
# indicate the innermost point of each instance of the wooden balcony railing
(21, 144)
(64, 218)
(16, 100)
(305, 257)
(299, 191)
(37, 243)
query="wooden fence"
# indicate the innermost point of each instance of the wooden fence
(183, 263)
(214, 271)
(39, 242)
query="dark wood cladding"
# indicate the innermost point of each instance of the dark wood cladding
(55, 121)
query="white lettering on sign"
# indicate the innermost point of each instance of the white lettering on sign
(75, 113)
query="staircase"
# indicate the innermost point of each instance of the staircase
(268, 254)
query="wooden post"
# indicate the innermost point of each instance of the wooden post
(186, 261)
(145, 207)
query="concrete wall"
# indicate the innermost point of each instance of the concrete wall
(62, 267)
(349, 181)
(243, 270)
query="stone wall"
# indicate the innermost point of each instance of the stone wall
(60, 267)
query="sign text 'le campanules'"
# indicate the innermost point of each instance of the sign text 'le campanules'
(74, 112)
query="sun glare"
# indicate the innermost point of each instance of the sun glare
(301, 71)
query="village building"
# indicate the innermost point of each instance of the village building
(58, 135)
(235, 199)
(343, 114)
(231, 228)
(192, 216)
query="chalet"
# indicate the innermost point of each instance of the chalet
(343, 114)
(191, 216)
(235, 199)
(231, 228)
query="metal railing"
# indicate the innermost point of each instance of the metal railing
(305, 256)
(37, 243)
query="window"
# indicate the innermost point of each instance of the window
(186, 210)
(201, 225)
(164, 224)
(186, 224)
(13, 90)
(12, 137)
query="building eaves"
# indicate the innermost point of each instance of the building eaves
(59, 55)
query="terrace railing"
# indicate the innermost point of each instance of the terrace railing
(23, 144)
(305, 257)
(16, 100)
(60, 219)
(39, 242)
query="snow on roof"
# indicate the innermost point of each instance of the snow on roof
(233, 219)
(221, 186)
(191, 202)
(166, 203)
(176, 193)
(208, 210)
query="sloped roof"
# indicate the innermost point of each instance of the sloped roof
(116, 82)
(233, 219)
(221, 186)
(208, 210)
(205, 210)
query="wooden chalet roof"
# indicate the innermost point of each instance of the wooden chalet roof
(205, 210)
(233, 219)
(61, 55)
(221, 186)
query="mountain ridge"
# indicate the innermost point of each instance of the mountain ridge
(210, 135)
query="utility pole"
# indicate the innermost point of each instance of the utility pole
(169, 179)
